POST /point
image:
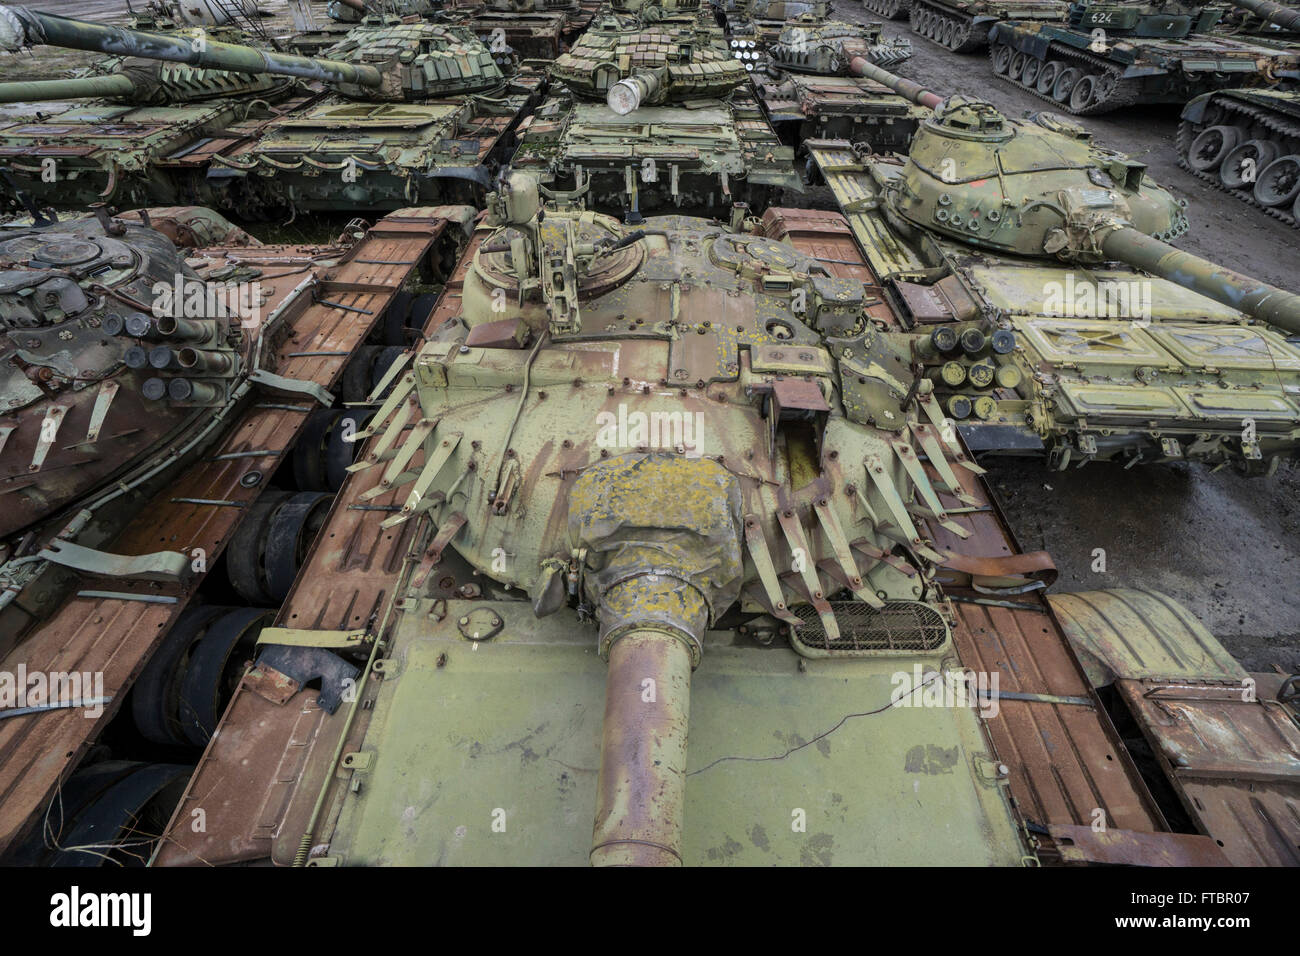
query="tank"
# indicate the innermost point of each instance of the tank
(128, 131)
(1106, 56)
(533, 29)
(416, 112)
(1090, 337)
(963, 25)
(810, 90)
(120, 367)
(623, 572)
(691, 478)
(763, 20)
(889, 9)
(93, 384)
(527, 28)
(1247, 141)
(649, 113)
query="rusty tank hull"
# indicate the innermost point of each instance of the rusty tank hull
(668, 710)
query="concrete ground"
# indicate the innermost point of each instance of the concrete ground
(1225, 546)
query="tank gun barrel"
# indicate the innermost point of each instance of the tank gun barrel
(35, 91)
(861, 66)
(1286, 17)
(22, 26)
(1259, 299)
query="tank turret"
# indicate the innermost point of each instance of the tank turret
(1165, 19)
(111, 348)
(399, 62)
(829, 48)
(356, 11)
(1042, 189)
(632, 66)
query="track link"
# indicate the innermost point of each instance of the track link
(1286, 129)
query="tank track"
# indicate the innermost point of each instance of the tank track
(889, 9)
(944, 28)
(1187, 132)
(1118, 92)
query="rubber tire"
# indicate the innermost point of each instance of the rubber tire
(339, 453)
(286, 547)
(201, 702)
(156, 693)
(249, 581)
(1029, 74)
(1047, 76)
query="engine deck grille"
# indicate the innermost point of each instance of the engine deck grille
(900, 626)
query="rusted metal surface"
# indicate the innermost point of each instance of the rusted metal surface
(1235, 756)
(828, 237)
(1127, 633)
(642, 783)
(115, 637)
(1127, 848)
(1231, 749)
(1064, 761)
(347, 576)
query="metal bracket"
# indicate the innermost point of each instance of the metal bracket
(302, 637)
(283, 385)
(158, 566)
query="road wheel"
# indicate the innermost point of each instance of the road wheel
(1047, 76)
(1001, 59)
(1209, 149)
(1242, 166)
(1065, 84)
(1083, 93)
(1279, 183)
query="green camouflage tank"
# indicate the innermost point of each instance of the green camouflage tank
(1052, 315)
(415, 113)
(654, 114)
(811, 89)
(129, 131)
(1107, 56)
(663, 551)
(641, 451)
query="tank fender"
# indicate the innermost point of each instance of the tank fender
(1130, 634)
(1026, 41)
(1194, 111)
